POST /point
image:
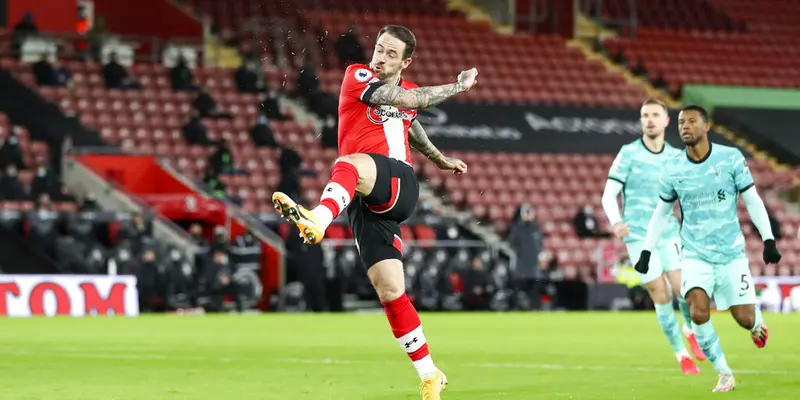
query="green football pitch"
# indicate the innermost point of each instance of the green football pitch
(523, 356)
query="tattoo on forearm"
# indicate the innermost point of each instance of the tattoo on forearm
(418, 139)
(412, 99)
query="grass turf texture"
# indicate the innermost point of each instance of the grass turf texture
(589, 356)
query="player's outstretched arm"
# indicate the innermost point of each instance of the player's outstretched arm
(419, 141)
(423, 97)
(654, 230)
(758, 214)
(611, 208)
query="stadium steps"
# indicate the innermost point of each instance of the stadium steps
(487, 232)
(587, 29)
(477, 14)
(586, 48)
(220, 56)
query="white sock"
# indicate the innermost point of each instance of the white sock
(324, 216)
(681, 355)
(425, 367)
(687, 331)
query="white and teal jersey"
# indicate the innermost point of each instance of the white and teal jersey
(638, 169)
(708, 191)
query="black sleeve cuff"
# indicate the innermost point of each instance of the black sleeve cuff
(744, 189)
(615, 179)
(667, 200)
(370, 90)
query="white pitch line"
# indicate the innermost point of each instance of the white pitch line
(90, 354)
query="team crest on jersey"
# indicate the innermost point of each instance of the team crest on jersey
(362, 74)
(381, 114)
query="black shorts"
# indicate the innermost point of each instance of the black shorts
(376, 218)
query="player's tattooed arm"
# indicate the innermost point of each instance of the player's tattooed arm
(423, 97)
(418, 140)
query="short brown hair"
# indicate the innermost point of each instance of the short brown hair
(404, 35)
(654, 101)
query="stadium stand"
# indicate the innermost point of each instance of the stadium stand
(515, 69)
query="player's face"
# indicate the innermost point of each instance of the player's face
(387, 59)
(692, 127)
(654, 119)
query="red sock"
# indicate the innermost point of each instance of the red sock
(340, 189)
(407, 329)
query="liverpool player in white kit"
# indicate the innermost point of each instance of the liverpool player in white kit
(373, 179)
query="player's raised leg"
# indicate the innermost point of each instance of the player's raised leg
(674, 278)
(351, 174)
(698, 283)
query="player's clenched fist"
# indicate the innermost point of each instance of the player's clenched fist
(621, 229)
(771, 253)
(467, 79)
(643, 265)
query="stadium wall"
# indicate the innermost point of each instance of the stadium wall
(712, 96)
(771, 130)
(156, 18)
(49, 15)
(538, 129)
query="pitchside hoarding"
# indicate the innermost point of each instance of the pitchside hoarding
(68, 295)
(539, 129)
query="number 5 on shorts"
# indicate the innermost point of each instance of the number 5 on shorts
(745, 283)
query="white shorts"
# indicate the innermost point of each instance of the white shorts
(665, 257)
(729, 284)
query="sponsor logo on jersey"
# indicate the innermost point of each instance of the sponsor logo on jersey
(381, 114)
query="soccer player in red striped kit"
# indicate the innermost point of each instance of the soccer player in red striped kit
(373, 179)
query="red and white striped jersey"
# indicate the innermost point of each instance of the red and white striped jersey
(365, 128)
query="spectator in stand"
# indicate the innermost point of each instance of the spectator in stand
(246, 77)
(330, 132)
(42, 222)
(219, 282)
(586, 224)
(194, 132)
(308, 264)
(116, 76)
(271, 104)
(246, 252)
(180, 282)
(44, 181)
(290, 163)
(147, 277)
(96, 37)
(307, 82)
(136, 231)
(181, 76)
(349, 48)
(22, 30)
(212, 184)
(50, 73)
(10, 186)
(221, 160)
(44, 72)
(207, 106)
(10, 151)
(527, 240)
(262, 134)
(69, 251)
(478, 287)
